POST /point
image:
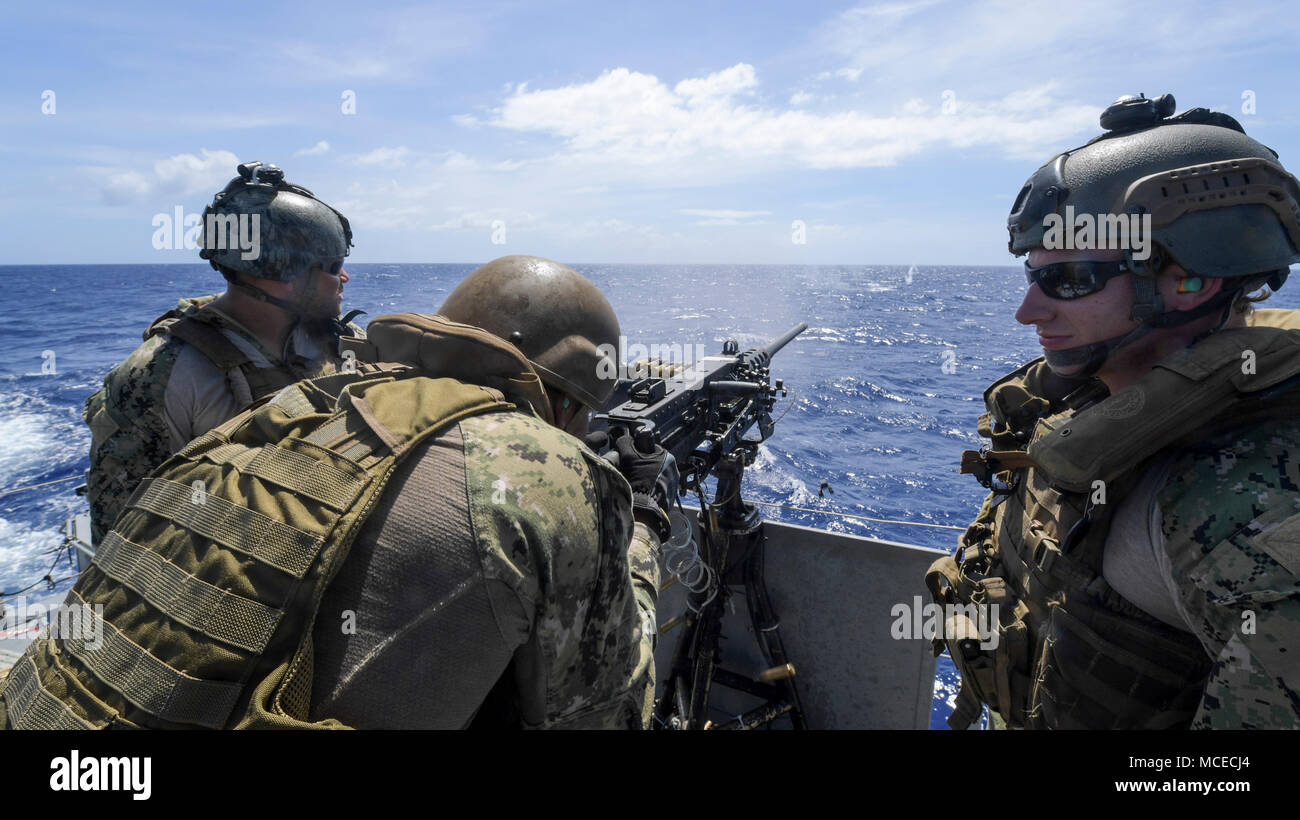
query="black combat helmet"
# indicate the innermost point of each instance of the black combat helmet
(296, 231)
(1220, 205)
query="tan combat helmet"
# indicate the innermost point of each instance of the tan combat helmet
(558, 319)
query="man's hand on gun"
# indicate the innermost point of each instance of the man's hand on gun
(649, 469)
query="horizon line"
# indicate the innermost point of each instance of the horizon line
(699, 264)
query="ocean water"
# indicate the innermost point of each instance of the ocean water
(885, 384)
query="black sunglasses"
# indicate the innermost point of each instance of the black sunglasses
(1074, 280)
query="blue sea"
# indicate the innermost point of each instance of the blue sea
(885, 384)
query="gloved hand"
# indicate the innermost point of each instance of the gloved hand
(649, 469)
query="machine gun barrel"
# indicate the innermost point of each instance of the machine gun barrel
(784, 339)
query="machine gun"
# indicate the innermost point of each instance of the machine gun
(702, 415)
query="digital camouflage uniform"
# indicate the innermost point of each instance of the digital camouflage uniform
(501, 581)
(129, 436)
(366, 550)
(1234, 547)
(499, 558)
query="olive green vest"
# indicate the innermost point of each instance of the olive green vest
(201, 329)
(1071, 652)
(198, 608)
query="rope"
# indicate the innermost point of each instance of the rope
(44, 579)
(44, 484)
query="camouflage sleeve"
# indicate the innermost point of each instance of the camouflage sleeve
(1231, 513)
(129, 436)
(554, 523)
(643, 561)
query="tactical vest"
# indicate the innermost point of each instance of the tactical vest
(124, 451)
(1071, 652)
(201, 329)
(210, 582)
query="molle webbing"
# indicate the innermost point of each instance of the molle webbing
(32, 706)
(218, 613)
(198, 607)
(147, 681)
(230, 525)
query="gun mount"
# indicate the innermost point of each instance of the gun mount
(703, 415)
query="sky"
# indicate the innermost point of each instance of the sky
(891, 133)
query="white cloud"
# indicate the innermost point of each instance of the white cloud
(636, 235)
(719, 87)
(316, 150)
(632, 124)
(457, 161)
(330, 61)
(394, 157)
(801, 98)
(178, 175)
(728, 221)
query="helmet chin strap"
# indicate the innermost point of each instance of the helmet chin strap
(333, 327)
(1092, 356)
(262, 296)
